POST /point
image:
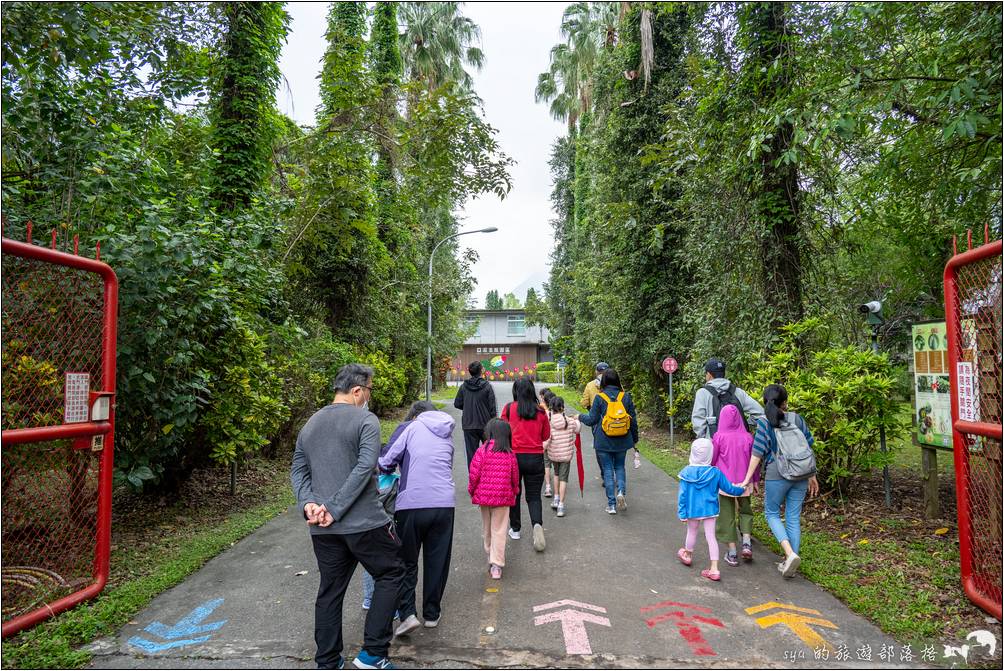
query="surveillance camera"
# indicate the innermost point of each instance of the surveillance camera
(873, 307)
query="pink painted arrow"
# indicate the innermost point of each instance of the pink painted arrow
(573, 626)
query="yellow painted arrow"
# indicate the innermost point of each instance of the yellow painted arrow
(800, 624)
(774, 604)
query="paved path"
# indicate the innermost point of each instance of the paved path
(627, 601)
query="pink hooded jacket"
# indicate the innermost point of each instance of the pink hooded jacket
(494, 477)
(733, 446)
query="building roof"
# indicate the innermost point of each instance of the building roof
(496, 312)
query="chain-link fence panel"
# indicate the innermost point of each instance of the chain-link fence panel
(57, 336)
(973, 286)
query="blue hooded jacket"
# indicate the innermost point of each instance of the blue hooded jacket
(699, 487)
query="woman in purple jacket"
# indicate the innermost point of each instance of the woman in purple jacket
(424, 512)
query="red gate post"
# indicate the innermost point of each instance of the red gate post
(973, 284)
(96, 434)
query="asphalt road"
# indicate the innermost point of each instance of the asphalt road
(608, 591)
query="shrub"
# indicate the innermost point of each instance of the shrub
(547, 366)
(389, 381)
(844, 394)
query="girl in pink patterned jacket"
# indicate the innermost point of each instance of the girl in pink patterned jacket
(494, 485)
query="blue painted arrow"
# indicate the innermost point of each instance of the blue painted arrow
(188, 626)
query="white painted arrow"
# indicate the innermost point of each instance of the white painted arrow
(569, 602)
(573, 625)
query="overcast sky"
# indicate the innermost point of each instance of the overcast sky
(516, 38)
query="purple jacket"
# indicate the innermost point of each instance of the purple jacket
(733, 446)
(424, 451)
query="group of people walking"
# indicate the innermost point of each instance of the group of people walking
(724, 470)
(384, 506)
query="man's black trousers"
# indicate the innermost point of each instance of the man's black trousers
(378, 550)
(472, 440)
(429, 531)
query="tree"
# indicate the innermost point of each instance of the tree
(510, 302)
(493, 301)
(438, 43)
(243, 113)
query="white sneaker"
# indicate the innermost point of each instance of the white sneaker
(621, 501)
(612, 510)
(431, 624)
(561, 509)
(554, 503)
(789, 565)
(513, 534)
(538, 538)
(409, 625)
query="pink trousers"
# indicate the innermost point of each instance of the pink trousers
(495, 523)
(709, 534)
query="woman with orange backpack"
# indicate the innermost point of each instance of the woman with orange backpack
(613, 410)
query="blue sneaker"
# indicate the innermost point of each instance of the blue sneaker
(365, 660)
(340, 664)
(367, 603)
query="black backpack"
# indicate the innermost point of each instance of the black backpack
(719, 399)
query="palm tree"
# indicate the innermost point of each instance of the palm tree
(587, 27)
(438, 43)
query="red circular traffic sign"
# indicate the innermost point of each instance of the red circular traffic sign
(669, 365)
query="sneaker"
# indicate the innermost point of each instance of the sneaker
(409, 625)
(711, 575)
(547, 492)
(495, 572)
(731, 558)
(561, 509)
(789, 565)
(513, 534)
(340, 664)
(555, 502)
(538, 538)
(431, 624)
(612, 510)
(621, 501)
(748, 551)
(365, 660)
(367, 603)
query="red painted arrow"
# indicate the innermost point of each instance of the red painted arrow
(686, 624)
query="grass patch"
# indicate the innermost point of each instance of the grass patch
(55, 643)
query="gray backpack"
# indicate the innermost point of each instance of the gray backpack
(795, 459)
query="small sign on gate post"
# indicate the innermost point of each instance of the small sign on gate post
(76, 398)
(669, 365)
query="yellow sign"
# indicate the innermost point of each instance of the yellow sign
(798, 622)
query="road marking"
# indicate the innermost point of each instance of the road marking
(569, 602)
(798, 623)
(687, 625)
(573, 626)
(489, 613)
(188, 626)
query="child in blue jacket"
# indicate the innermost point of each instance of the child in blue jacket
(698, 504)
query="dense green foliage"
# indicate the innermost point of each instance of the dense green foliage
(255, 257)
(732, 167)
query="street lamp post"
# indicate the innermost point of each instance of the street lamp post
(428, 351)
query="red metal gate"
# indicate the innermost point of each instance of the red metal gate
(973, 284)
(58, 339)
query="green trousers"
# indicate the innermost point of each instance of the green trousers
(732, 511)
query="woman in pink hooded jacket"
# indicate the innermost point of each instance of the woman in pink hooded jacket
(733, 447)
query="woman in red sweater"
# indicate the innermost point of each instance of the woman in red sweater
(530, 428)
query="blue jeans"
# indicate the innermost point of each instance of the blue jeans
(369, 585)
(614, 477)
(792, 495)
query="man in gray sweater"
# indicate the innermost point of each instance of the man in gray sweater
(335, 483)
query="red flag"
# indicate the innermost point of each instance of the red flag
(578, 463)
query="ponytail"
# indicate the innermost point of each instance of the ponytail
(774, 396)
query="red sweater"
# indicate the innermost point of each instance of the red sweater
(528, 435)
